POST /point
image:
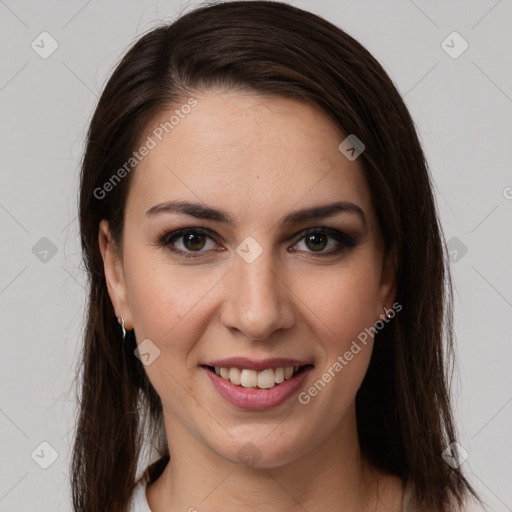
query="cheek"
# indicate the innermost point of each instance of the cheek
(171, 306)
(341, 304)
(340, 312)
(167, 301)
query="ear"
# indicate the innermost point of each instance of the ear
(387, 286)
(114, 274)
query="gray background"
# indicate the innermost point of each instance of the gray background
(462, 107)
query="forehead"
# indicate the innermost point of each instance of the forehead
(245, 150)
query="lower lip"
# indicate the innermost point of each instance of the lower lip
(257, 399)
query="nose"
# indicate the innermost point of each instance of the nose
(258, 301)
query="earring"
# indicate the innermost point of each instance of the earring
(388, 315)
(123, 329)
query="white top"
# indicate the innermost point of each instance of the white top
(139, 502)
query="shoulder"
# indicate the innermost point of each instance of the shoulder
(410, 504)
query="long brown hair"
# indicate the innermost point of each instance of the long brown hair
(403, 408)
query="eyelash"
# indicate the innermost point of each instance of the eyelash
(167, 238)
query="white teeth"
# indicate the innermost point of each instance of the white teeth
(248, 378)
(265, 379)
(234, 375)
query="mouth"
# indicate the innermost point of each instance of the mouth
(257, 385)
(267, 378)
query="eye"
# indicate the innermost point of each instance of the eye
(194, 242)
(187, 241)
(317, 240)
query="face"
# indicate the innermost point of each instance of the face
(250, 244)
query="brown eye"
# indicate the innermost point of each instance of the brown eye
(316, 241)
(324, 242)
(189, 242)
(194, 241)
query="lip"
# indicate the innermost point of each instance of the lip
(257, 365)
(257, 399)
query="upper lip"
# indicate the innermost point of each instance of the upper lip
(257, 365)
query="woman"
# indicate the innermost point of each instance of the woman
(268, 287)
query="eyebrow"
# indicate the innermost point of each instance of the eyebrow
(201, 211)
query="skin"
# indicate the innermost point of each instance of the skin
(258, 158)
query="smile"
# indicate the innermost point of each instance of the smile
(265, 379)
(262, 386)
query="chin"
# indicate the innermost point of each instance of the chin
(263, 451)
